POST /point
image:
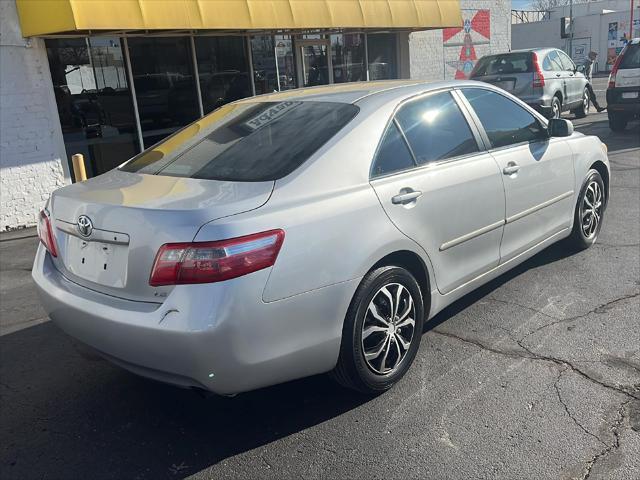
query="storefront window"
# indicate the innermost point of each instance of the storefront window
(347, 56)
(93, 99)
(165, 85)
(382, 56)
(223, 69)
(273, 63)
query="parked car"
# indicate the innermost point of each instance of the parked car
(623, 92)
(312, 231)
(544, 78)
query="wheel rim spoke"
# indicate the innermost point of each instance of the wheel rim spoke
(376, 352)
(374, 312)
(405, 344)
(387, 294)
(407, 321)
(372, 329)
(383, 362)
(406, 313)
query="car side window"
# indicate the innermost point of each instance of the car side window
(393, 153)
(435, 128)
(567, 63)
(505, 122)
(552, 62)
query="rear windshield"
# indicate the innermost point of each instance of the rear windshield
(246, 142)
(631, 57)
(501, 64)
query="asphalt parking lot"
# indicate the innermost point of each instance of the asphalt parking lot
(535, 375)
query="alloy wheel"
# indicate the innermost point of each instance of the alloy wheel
(591, 213)
(556, 109)
(586, 102)
(388, 328)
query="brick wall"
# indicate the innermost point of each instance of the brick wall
(31, 145)
(431, 58)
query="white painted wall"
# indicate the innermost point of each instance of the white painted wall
(31, 145)
(428, 55)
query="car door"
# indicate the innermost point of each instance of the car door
(440, 188)
(554, 75)
(537, 171)
(575, 81)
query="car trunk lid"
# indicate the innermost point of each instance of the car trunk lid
(109, 228)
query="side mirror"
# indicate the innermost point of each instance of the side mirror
(559, 127)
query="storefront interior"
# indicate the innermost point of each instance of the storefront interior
(119, 95)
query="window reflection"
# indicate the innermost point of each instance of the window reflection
(223, 69)
(347, 56)
(273, 63)
(93, 99)
(382, 56)
(165, 85)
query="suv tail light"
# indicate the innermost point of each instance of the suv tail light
(208, 262)
(538, 76)
(45, 233)
(614, 70)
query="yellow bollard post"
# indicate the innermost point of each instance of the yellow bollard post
(79, 171)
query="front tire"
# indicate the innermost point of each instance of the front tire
(583, 109)
(589, 212)
(381, 332)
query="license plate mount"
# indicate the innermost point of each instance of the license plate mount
(98, 262)
(629, 94)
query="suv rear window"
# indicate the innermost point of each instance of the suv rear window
(506, 63)
(631, 57)
(246, 142)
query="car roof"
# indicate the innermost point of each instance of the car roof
(361, 92)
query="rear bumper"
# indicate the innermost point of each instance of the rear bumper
(221, 337)
(625, 106)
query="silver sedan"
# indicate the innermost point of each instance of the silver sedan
(312, 231)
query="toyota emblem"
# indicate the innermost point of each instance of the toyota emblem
(85, 227)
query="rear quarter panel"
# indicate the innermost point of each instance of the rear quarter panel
(335, 228)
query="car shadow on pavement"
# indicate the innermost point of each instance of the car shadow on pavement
(553, 253)
(66, 413)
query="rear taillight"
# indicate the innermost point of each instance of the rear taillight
(614, 71)
(45, 232)
(207, 262)
(538, 76)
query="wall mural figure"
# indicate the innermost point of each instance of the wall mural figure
(464, 45)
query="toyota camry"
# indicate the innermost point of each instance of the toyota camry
(312, 231)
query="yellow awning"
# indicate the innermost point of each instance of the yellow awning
(46, 17)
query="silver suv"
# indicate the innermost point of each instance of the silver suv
(545, 78)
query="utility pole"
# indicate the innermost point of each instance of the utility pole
(570, 52)
(631, 22)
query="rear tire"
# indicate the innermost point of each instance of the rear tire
(589, 212)
(617, 122)
(380, 336)
(583, 109)
(556, 108)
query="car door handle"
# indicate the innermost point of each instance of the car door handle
(407, 197)
(511, 168)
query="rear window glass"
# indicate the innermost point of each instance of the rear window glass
(631, 57)
(246, 142)
(502, 64)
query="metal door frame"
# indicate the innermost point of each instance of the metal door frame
(299, 56)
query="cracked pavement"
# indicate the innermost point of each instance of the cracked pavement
(535, 375)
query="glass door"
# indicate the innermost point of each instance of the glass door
(314, 62)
